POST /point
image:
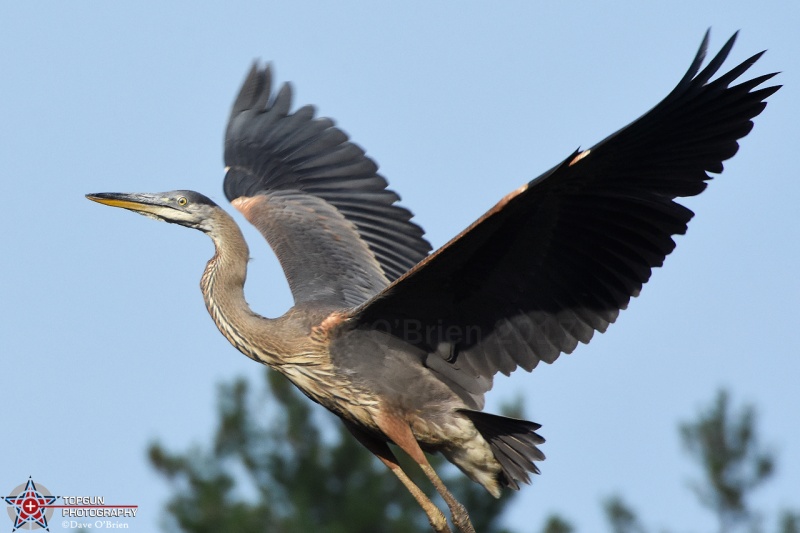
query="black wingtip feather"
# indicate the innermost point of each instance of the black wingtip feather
(251, 87)
(264, 88)
(283, 100)
(698, 60)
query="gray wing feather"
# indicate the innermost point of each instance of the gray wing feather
(323, 257)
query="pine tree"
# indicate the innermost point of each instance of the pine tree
(727, 448)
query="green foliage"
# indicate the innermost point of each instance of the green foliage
(556, 524)
(620, 517)
(726, 446)
(283, 475)
(789, 522)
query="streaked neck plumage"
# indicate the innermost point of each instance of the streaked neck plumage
(223, 291)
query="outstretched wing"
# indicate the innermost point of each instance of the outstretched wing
(316, 197)
(557, 259)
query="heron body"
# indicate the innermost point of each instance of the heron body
(403, 344)
(313, 346)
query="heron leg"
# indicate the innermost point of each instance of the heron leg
(381, 450)
(457, 510)
(400, 433)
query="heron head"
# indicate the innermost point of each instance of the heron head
(187, 208)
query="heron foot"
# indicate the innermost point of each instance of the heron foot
(461, 519)
(438, 521)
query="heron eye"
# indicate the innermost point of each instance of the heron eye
(182, 200)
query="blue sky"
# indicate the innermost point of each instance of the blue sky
(107, 345)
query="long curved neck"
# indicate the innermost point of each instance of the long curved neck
(223, 291)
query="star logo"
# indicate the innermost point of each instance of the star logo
(29, 506)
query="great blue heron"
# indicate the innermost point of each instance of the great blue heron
(403, 345)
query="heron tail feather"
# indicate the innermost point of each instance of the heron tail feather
(513, 443)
